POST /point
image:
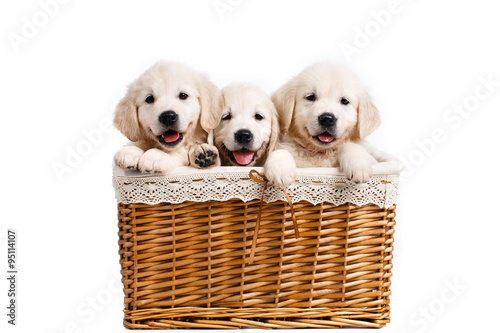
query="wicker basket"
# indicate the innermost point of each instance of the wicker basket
(186, 245)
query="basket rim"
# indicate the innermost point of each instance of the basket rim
(314, 185)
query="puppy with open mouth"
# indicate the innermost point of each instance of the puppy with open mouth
(326, 112)
(166, 110)
(248, 128)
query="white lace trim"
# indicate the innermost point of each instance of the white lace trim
(314, 185)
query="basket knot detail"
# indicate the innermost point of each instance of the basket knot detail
(260, 178)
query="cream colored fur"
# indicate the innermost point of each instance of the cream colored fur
(242, 102)
(139, 120)
(299, 121)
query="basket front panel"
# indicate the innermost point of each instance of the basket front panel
(190, 262)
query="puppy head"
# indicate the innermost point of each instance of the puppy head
(168, 106)
(248, 129)
(325, 105)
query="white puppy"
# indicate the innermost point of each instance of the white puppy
(326, 112)
(248, 130)
(165, 111)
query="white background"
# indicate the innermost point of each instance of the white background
(65, 78)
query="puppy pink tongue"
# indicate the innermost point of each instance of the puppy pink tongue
(325, 137)
(171, 136)
(243, 157)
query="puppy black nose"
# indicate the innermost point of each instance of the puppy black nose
(243, 136)
(168, 118)
(327, 120)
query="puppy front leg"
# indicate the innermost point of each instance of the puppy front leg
(280, 168)
(157, 161)
(128, 156)
(356, 162)
(204, 156)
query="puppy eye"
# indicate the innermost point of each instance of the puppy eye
(150, 99)
(344, 101)
(258, 116)
(311, 97)
(183, 95)
(226, 117)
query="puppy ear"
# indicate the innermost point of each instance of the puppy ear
(275, 130)
(368, 117)
(126, 120)
(284, 101)
(211, 105)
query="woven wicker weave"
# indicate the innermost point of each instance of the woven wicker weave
(187, 265)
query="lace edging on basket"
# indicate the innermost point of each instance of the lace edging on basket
(381, 190)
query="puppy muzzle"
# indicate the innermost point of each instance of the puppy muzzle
(327, 122)
(171, 137)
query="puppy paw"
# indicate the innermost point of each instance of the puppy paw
(128, 157)
(204, 156)
(358, 173)
(280, 168)
(356, 162)
(358, 168)
(155, 161)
